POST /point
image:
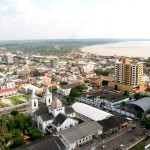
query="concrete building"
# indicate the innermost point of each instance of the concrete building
(8, 59)
(128, 73)
(54, 63)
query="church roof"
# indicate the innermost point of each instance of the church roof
(60, 118)
(47, 117)
(69, 110)
(33, 96)
(43, 109)
(56, 103)
(47, 92)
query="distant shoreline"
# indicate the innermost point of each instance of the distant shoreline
(129, 49)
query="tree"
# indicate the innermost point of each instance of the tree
(126, 93)
(70, 99)
(105, 83)
(123, 103)
(14, 112)
(78, 90)
(86, 81)
(54, 88)
(74, 65)
(63, 83)
(116, 87)
(7, 137)
(18, 141)
(139, 114)
(36, 73)
(138, 96)
(145, 122)
(34, 133)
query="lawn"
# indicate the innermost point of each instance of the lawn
(19, 99)
(2, 105)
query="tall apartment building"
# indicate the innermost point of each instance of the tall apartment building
(128, 73)
(8, 58)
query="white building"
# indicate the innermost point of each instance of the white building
(51, 115)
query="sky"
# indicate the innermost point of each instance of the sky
(73, 19)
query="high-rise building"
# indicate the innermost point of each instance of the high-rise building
(128, 73)
(54, 63)
(8, 58)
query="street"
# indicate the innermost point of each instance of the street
(123, 139)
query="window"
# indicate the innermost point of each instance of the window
(34, 104)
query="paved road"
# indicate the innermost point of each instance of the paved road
(124, 139)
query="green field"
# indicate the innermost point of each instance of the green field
(2, 105)
(19, 99)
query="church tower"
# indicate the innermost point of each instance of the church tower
(47, 97)
(33, 102)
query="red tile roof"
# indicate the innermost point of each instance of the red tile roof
(7, 90)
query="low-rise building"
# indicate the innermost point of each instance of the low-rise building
(8, 92)
(81, 134)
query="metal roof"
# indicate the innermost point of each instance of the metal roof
(143, 103)
(82, 130)
(90, 112)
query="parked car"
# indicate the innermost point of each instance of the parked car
(129, 130)
(104, 146)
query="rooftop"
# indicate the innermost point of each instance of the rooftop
(90, 112)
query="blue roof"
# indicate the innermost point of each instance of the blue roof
(47, 92)
(33, 96)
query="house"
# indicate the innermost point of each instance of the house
(28, 88)
(8, 92)
(51, 115)
(81, 134)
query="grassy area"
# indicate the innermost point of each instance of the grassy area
(140, 146)
(2, 105)
(19, 99)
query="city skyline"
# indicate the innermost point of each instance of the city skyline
(73, 19)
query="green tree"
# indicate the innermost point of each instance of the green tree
(145, 122)
(7, 137)
(18, 141)
(126, 93)
(78, 90)
(14, 112)
(63, 83)
(123, 103)
(74, 65)
(54, 88)
(105, 83)
(137, 96)
(34, 133)
(139, 114)
(70, 99)
(36, 73)
(86, 81)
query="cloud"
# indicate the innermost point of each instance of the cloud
(35, 19)
(3, 8)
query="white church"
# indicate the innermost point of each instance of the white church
(50, 115)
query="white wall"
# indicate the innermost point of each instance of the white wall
(67, 124)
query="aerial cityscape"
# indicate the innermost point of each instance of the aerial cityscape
(74, 75)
